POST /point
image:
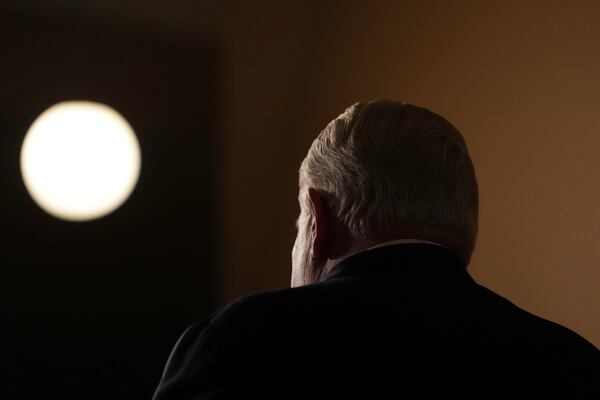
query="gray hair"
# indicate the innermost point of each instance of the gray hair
(391, 168)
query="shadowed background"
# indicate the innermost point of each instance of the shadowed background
(225, 100)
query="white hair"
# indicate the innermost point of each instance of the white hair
(390, 168)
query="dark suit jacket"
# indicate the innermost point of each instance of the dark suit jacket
(404, 321)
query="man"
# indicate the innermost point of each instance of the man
(382, 305)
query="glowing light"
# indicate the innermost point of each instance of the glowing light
(80, 160)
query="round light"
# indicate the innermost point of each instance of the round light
(80, 160)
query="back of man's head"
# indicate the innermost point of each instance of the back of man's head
(393, 170)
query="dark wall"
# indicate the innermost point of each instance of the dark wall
(91, 310)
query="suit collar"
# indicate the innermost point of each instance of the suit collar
(417, 259)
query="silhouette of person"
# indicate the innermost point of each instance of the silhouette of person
(382, 304)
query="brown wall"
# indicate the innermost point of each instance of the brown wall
(520, 80)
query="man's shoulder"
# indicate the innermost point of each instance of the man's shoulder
(555, 335)
(538, 331)
(272, 305)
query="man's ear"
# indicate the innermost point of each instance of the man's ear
(321, 225)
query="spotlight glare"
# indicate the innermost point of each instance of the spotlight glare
(80, 160)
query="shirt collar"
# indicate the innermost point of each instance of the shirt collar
(403, 241)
